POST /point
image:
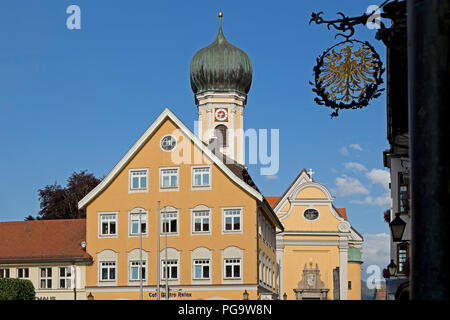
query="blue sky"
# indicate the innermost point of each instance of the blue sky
(78, 99)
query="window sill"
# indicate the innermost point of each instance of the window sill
(106, 236)
(174, 189)
(138, 191)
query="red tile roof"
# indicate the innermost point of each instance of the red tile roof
(342, 212)
(43, 240)
(272, 201)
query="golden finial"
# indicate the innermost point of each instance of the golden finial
(220, 20)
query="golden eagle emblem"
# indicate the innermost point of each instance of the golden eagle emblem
(345, 74)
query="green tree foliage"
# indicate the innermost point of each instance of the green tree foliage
(57, 202)
(16, 289)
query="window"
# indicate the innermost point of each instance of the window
(134, 270)
(169, 178)
(169, 222)
(201, 177)
(311, 214)
(108, 224)
(402, 255)
(201, 221)
(232, 220)
(403, 194)
(220, 133)
(232, 268)
(46, 278)
(168, 143)
(65, 274)
(170, 268)
(23, 273)
(138, 180)
(108, 271)
(201, 269)
(4, 273)
(138, 223)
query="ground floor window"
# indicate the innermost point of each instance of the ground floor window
(134, 270)
(23, 273)
(108, 271)
(65, 275)
(170, 269)
(4, 273)
(46, 278)
(232, 268)
(201, 269)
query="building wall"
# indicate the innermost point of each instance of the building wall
(296, 257)
(354, 276)
(397, 165)
(223, 193)
(323, 241)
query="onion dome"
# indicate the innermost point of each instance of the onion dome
(221, 67)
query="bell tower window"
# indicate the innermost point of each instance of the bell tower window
(220, 133)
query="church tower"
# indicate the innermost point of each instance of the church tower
(221, 75)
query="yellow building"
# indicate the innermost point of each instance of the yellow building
(319, 252)
(220, 230)
(216, 223)
(210, 215)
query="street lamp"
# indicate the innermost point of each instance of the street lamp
(392, 268)
(90, 296)
(397, 227)
(245, 295)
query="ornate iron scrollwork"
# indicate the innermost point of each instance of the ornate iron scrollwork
(345, 24)
(347, 76)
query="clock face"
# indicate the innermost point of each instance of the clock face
(221, 114)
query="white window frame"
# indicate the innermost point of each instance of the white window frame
(224, 216)
(232, 262)
(193, 214)
(100, 224)
(19, 270)
(108, 265)
(130, 181)
(177, 215)
(193, 174)
(162, 175)
(67, 277)
(171, 262)
(202, 263)
(144, 219)
(45, 278)
(135, 264)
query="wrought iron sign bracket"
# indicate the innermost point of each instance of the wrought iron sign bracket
(349, 74)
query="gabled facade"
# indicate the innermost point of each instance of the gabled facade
(318, 235)
(210, 216)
